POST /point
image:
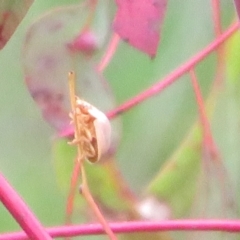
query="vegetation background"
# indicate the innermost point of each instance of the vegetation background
(151, 131)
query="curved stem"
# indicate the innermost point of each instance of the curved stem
(207, 134)
(175, 75)
(21, 213)
(79, 165)
(87, 195)
(216, 10)
(111, 49)
(72, 192)
(167, 81)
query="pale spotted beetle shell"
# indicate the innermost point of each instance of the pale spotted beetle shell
(102, 129)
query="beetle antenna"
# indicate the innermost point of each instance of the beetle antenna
(72, 89)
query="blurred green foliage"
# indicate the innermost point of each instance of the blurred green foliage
(152, 131)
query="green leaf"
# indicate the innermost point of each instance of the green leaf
(175, 184)
(233, 58)
(106, 185)
(105, 182)
(63, 156)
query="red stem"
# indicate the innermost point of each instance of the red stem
(175, 75)
(21, 212)
(207, 134)
(112, 47)
(216, 6)
(231, 226)
(72, 192)
(168, 80)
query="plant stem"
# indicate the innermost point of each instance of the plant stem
(79, 165)
(168, 80)
(207, 134)
(212, 161)
(21, 213)
(175, 75)
(217, 225)
(111, 49)
(87, 195)
(216, 9)
(72, 192)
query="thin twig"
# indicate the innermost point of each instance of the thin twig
(219, 74)
(212, 159)
(216, 9)
(87, 195)
(175, 75)
(111, 49)
(168, 80)
(217, 225)
(207, 134)
(81, 156)
(72, 192)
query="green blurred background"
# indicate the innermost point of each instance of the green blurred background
(152, 131)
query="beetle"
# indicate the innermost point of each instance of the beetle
(92, 129)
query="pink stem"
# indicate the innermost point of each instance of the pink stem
(176, 74)
(207, 133)
(216, 7)
(21, 212)
(217, 225)
(168, 80)
(112, 47)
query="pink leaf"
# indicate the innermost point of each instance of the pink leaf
(138, 22)
(65, 47)
(68, 45)
(85, 42)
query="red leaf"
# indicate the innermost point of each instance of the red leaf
(85, 43)
(67, 45)
(138, 22)
(11, 14)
